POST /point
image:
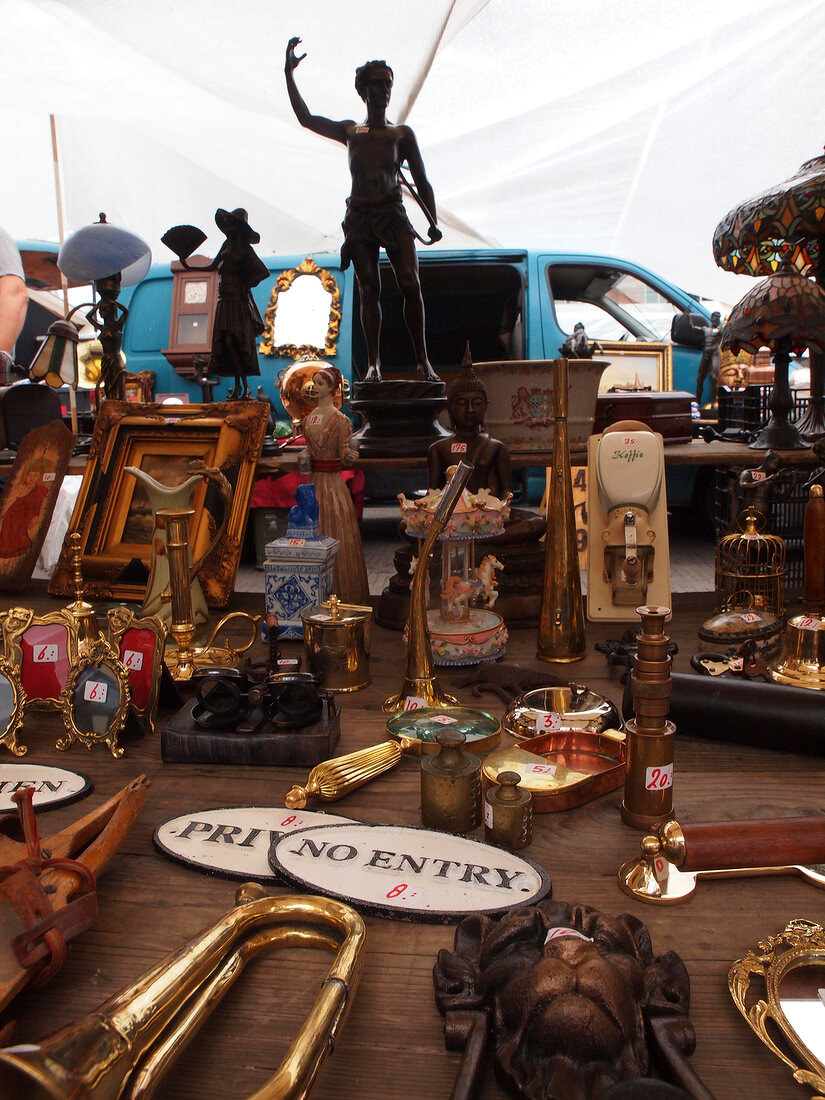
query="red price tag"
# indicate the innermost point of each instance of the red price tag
(659, 779)
(413, 702)
(95, 691)
(133, 659)
(46, 654)
(458, 448)
(809, 624)
(295, 542)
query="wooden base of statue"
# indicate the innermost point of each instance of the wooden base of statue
(183, 741)
(400, 417)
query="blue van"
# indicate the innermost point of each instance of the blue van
(508, 303)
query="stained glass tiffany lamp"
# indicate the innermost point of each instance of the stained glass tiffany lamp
(783, 229)
(785, 312)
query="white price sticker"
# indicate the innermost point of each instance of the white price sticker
(314, 418)
(95, 691)
(46, 654)
(488, 815)
(540, 769)
(749, 617)
(809, 624)
(48, 477)
(660, 778)
(548, 721)
(413, 702)
(661, 868)
(630, 441)
(295, 542)
(133, 659)
(458, 448)
(445, 720)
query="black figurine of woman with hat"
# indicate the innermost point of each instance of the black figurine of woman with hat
(238, 322)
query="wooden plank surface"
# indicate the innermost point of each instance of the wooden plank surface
(392, 1044)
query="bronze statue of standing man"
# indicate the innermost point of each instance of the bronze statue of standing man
(375, 216)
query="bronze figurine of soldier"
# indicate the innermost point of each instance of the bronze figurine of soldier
(375, 216)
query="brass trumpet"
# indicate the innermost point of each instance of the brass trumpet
(124, 1048)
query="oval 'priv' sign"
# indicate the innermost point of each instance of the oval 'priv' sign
(406, 873)
(52, 786)
(232, 842)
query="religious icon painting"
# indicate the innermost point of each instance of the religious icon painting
(28, 500)
(96, 699)
(43, 648)
(12, 705)
(139, 644)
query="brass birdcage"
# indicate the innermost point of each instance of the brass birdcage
(750, 586)
(750, 567)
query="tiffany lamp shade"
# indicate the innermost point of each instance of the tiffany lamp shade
(785, 312)
(783, 229)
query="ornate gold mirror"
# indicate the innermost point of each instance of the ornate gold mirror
(789, 1016)
(304, 313)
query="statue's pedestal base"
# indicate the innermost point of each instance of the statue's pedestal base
(400, 417)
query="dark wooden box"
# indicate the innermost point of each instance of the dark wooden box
(665, 412)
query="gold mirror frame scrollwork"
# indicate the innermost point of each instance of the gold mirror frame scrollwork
(97, 655)
(8, 736)
(802, 941)
(284, 281)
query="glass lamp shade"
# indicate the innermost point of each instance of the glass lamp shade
(56, 360)
(99, 250)
(781, 228)
(782, 307)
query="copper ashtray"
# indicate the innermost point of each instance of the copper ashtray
(574, 708)
(562, 769)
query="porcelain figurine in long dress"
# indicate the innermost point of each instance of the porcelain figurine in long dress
(328, 432)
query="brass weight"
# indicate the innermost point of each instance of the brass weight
(508, 813)
(451, 786)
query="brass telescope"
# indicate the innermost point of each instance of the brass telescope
(124, 1048)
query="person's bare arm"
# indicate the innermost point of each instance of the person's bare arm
(411, 153)
(326, 127)
(14, 301)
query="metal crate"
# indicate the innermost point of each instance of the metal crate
(746, 409)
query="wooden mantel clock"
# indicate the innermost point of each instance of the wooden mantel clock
(194, 298)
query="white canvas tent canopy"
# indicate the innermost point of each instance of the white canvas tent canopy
(593, 126)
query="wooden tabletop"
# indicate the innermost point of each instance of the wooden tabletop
(392, 1044)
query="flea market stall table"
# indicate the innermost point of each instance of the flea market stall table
(392, 1043)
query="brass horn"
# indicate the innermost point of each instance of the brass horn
(124, 1048)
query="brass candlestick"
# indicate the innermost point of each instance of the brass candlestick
(183, 662)
(420, 682)
(561, 623)
(82, 612)
(648, 788)
(332, 779)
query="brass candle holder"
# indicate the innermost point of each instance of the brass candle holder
(421, 686)
(81, 611)
(648, 788)
(184, 659)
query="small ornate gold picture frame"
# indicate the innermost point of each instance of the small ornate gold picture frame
(43, 648)
(12, 705)
(96, 699)
(139, 643)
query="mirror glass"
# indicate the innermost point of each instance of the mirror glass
(303, 314)
(802, 1000)
(96, 699)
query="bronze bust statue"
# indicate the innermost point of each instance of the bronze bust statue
(375, 216)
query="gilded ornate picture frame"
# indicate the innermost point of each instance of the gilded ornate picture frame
(634, 365)
(12, 707)
(113, 514)
(95, 699)
(139, 642)
(272, 343)
(43, 648)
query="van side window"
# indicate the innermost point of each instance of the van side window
(612, 304)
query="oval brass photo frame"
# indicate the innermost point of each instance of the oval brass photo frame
(96, 699)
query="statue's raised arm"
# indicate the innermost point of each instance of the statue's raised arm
(326, 127)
